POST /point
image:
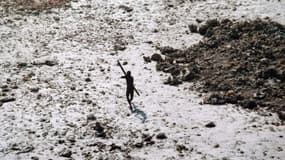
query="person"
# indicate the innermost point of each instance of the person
(130, 88)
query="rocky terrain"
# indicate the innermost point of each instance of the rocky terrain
(62, 96)
(237, 62)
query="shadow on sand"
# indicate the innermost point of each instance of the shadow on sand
(139, 113)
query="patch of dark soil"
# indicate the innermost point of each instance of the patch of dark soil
(237, 62)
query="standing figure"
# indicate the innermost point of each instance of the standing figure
(130, 88)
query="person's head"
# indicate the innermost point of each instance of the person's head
(129, 73)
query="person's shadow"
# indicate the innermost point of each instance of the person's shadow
(139, 113)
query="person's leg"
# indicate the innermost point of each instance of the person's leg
(129, 100)
(132, 94)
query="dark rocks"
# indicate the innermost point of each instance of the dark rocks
(215, 99)
(114, 146)
(100, 130)
(34, 89)
(26, 149)
(147, 139)
(147, 59)
(191, 74)
(71, 138)
(249, 104)
(50, 63)
(210, 125)
(156, 57)
(87, 79)
(203, 29)
(65, 153)
(281, 115)
(120, 46)
(216, 146)
(35, 158)
(193, 28)
(167, 50)
(61, 141)
(270, 72)
(91, 117)
(45, 62)
(126, 8)
(174, 81)
(139, 145)
(213, 23)
(56, 18)
(245, 59)
(180, 148)
(161, 136)
(22, 64)
(7, 99)
(21, 147)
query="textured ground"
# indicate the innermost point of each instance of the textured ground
(58, 68)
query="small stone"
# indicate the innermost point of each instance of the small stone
(216, 146)
(34, 89)
(87, 79)
(161, 136)
(281, 115)
(210, 125)
(56, 18)
(147, 138)
(249, 104)
(181, 147)
(65, 153)
(126, 8)
(35, 158)
(139, 145)
(7, 99)
(26, 149)
(50, 63)
(189, 76)
(100, 131)
(71, 138)
(193, 28)
(203, 29)
(119, 47)
(156, 57)
(21, 64)
(167, 50)
(199, 20)
(91, 117)
(61, 141)
(114, 146)
(147, 59)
